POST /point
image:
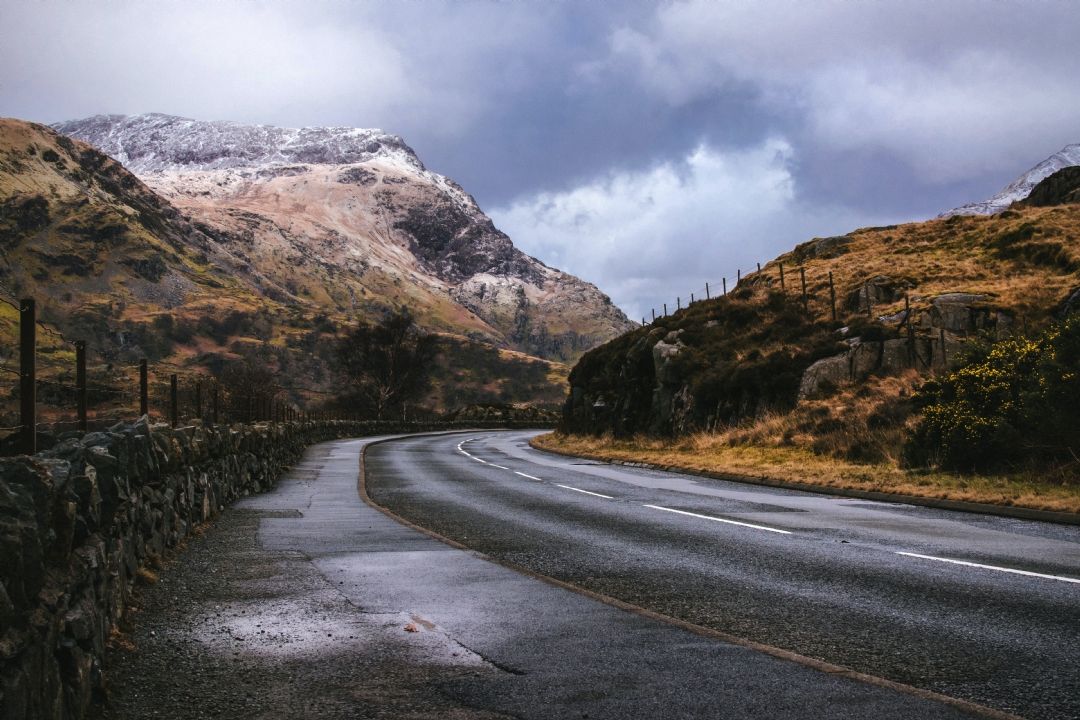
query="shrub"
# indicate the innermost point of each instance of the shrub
(1015, 402)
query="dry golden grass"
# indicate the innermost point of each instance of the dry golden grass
(795, 463)
(1025, 261)
(955, 255)
(119, 640)
(146, 576)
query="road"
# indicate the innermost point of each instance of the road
(981, 608)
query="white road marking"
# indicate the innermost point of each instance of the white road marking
(991, 567)
(531, 477)
(498, 466)
(721, 520)
(466, 453)
(607, 497)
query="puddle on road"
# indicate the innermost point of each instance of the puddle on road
(306, 629)
(286, 610)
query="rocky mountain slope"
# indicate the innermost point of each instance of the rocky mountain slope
(1020, 188)
(908, 300)
(351, 221)
(114, 263)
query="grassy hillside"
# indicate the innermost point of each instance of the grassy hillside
(115, 265)
(768, 367)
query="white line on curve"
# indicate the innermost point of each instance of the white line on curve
(531, 477)
(498, 466)
(721, 520)
(607, 497)
(466, 453)
(991, 567)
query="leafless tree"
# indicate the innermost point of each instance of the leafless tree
(388, 363)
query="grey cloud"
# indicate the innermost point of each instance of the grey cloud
(891, 110)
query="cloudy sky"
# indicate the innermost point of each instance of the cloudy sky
(647, 147)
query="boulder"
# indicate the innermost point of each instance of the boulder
(827, 371)
(1071, 304)
(882, 290)
(894, 355)
(961, 313)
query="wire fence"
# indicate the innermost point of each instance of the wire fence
(56, 386)
(823, 297)
(818, 294)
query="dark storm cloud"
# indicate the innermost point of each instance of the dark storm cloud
(647, 147)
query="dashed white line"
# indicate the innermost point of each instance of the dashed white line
(721, 520)
(991, 567)
(526, 475)
(498, 466)
(606, 497)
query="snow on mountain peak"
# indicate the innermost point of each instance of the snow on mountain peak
(1020, 188)
(154, 143)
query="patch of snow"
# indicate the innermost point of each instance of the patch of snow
(165, 145)
(155, 143)
(1020, 188)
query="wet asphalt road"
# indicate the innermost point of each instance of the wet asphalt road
(494, 642)
(821, 576)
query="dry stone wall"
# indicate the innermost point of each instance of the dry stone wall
(78, 522)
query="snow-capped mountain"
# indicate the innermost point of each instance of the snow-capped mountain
(1020, 188)
(351, 218)
(154, 143)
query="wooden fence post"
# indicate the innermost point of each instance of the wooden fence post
(653, 311)
(144, 400)
(724, 286)
(910, 331)
(80, 383)
(665, 309)
(28, 375)
(738, 277)
(174, 409)
(706, 291)
(678, 304)
(832, 296)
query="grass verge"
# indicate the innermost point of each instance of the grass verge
(709, 453)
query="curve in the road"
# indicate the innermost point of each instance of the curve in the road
(939, 600)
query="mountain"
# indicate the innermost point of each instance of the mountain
(116, 264)
(1020, 188)
(351, 221)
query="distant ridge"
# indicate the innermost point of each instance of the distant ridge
(1020, 188)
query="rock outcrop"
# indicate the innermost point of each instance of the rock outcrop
(1057, 189)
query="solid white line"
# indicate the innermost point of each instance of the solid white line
(607, 497)
(531, 477)
(721, 520)
(991, 567)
